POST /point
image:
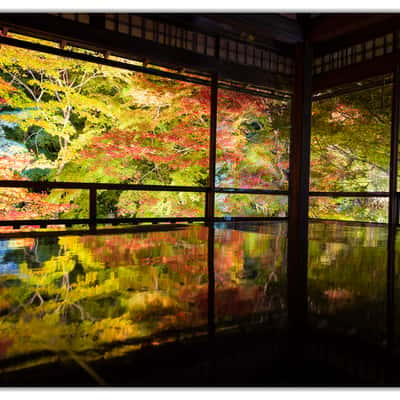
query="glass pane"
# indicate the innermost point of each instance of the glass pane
(368, 209)
(69, 120)
(252, 141)
(250, 205)
(141, 204)
(350, 141)
(63, 115)
(22, 204)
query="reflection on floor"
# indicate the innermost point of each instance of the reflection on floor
(193, 305)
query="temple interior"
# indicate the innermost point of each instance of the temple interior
(199, 199)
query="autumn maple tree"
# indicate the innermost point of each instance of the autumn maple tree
(350, 150)
(90, 123)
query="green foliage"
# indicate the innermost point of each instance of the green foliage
(350, 151)
(91, 123)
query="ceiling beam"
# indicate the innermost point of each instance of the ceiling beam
(357, 72)
(260, 27)
(267, 30)
(331, 32)
(54, 28)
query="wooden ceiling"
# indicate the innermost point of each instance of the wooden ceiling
(259, 28)
(327, 32)
(281, 31)
(289, 29)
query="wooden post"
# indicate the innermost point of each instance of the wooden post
(299, 191)
(92, 208)
(210, 196)
(392, 224)
(394, 148)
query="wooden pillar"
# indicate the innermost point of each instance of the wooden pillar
(299, 191)
(209, 214)
(210, 199)
(392, 225)
(394, 148)
(92, 208)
